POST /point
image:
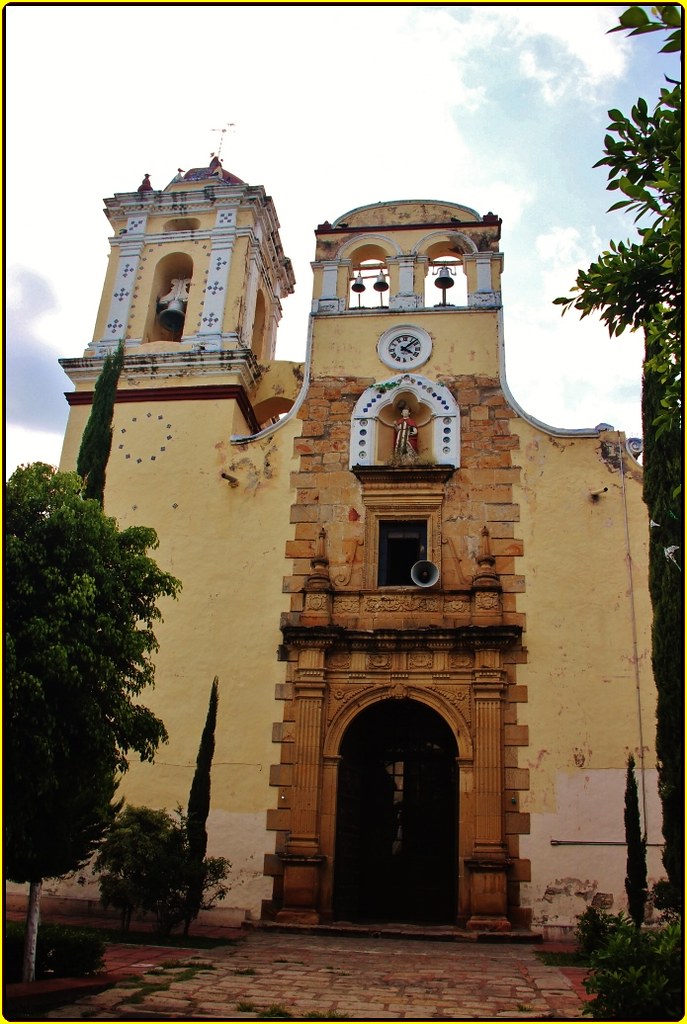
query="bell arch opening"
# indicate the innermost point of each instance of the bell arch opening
(167, 308)
(397, 817)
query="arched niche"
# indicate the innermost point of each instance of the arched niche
(368, 259)
(443, 243)
(432, 407)
(181, 224)
(259, 321)
(445, 249)
(269, 410)
(175, 266)
(367, 247)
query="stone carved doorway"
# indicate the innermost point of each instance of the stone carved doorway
(397, 817)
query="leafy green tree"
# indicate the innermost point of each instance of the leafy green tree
(96, 441)
(79, 640)
(662, 466)
(199, 808)
(638, 285)
(635, 879)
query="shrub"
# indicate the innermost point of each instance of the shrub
(145, 864)
(13, 951)
(70, 952)
(637, 975)
(60, 952)
(667, 900)
(133, 861)
(594, 928)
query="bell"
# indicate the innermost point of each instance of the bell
(381, 284)
(173, 316)
(444, 279)
(358, 285)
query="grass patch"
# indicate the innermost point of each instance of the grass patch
(146, 988)
(326, 1016)
(245, 970)
(276, 1010)
(244, 1007)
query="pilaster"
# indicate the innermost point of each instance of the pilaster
(125, 282)
(215, 299)
(302, 858)
(489, 861)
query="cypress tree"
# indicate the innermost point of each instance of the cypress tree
(97, 437)
(662, 475)
(199, 808)
(635, 879)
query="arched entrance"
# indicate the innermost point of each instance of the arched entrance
(397, 813)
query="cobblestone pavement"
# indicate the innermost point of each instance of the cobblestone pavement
(269, 975)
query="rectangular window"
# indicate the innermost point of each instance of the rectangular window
(401, 545)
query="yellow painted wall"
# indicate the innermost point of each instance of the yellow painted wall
(226, 544)
(463, 343)
(591, 696)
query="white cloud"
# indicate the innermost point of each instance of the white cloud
(23, 446)
(570, 50)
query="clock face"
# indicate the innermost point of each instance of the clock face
(403, 347)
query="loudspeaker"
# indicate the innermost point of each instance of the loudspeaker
(424, 574)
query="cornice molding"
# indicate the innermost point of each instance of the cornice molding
(191, 393)
(466, 638)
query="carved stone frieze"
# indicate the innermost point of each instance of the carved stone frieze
(420, 659)
(401, 603)
(341, 695)
(459, 697)
(339, 660)
(460, 659)
(379, 661)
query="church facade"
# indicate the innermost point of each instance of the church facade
(428, 611)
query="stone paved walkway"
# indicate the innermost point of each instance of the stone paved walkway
(269, 975)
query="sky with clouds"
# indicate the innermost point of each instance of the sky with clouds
(500, 108)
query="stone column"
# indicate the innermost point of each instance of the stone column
(330, 776)
(404, 295)
(488, 863)
(303, 859)
(484, 293)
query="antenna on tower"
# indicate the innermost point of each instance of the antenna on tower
(222, 132)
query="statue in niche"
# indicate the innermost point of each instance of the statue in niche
(405, 443)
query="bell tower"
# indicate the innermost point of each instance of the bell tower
(193, 290)
(196, 267)
(406, 614)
